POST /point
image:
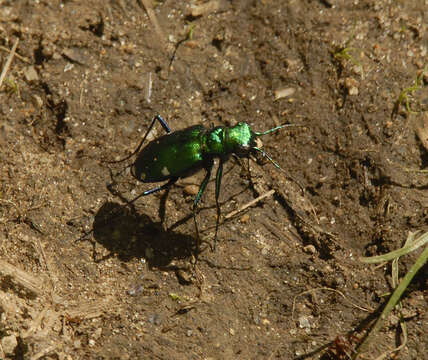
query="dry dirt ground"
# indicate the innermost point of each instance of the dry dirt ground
(285, 281)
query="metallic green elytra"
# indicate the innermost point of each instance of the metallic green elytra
(174, 154)
(181, 153)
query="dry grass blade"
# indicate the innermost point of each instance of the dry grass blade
(8, 62)
(327, 289)
(20, 57)
(410, 246)
(21, 277)
(44, 352)
(394, 299)
(248, 204)
(152, 16)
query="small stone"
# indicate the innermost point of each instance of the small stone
(244, 218)
(353, 91)
(37, 100)
(265, 322)
(184, 276)
(256, 319)
(232, 331)
(154, 319)
(30, 74)
(75, 55)
(209, 7)
(97, 333)
(136, 290)
(310, 249)
(9, 344)
(191, 190)
(284, 92)
(304, 322)
(351, 85)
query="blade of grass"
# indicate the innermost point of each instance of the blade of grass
(408, 247)
(8, 62)
(395, 297)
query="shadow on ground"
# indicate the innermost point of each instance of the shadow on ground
(128, 235)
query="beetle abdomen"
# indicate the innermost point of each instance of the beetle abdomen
(172, 155)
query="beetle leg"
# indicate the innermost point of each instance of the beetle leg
(204, 183)
(208, 168)
(164, 125)
(156, 189)
(218, 178)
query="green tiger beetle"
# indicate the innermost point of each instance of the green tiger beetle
(181, 153)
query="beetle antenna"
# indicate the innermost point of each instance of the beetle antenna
(267, 156)
(274, 129)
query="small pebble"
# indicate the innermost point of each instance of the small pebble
(310, 249)
(304, 322)
(244, 218)
(75, 55)
(97, 333)
(351, 85)
(191, 190)
(136, 290)
(328, 268)
(184, 276)
(9, 344)
(154, 319)
(284, 92)
(265, 322)
(37, 100)
(30, 74)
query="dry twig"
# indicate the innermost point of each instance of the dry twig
(8, 62)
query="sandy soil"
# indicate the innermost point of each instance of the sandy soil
(285, 281)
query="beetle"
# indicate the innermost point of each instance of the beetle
(181, 153)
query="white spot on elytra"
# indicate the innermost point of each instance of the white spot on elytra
(165, 171)
(143, 176)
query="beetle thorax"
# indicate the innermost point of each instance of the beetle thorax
(221, 141)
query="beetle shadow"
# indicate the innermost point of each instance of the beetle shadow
(128, 234)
